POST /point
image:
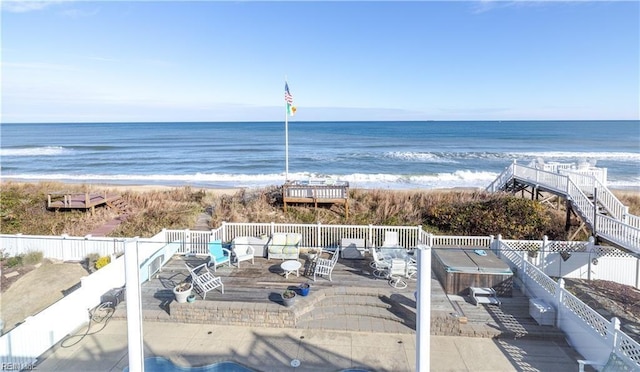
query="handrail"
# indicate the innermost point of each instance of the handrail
(618, 226)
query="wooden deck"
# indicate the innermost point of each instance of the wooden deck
(318, 192)
(62, 200)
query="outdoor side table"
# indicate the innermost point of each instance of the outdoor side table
(290, 266)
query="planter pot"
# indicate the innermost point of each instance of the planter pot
(304, 289)
(288, 301)
(182, 292)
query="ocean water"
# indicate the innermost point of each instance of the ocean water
(387, 155)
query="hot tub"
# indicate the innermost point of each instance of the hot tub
(458, 269)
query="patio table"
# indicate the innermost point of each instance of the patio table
(290, 266)
(391, 253)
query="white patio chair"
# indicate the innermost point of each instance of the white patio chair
(379, 265)
(242, 250)
(204, 280)
(324, 266)
(397, 274)
(391, 239)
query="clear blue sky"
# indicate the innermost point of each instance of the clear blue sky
(76, 61)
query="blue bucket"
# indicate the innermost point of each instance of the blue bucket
(304, 290)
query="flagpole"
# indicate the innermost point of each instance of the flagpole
(286, 144)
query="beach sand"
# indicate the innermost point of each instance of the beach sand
(57, 186)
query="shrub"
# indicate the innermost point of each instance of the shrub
(102, 262)
(33, 258)
(91, 259)
(15, 261)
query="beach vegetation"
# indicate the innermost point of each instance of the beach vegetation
(446, 212)
(14, 261)
(30, 258)
(33, 258)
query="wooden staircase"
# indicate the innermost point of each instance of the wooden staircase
(121, 206)
(601, 213)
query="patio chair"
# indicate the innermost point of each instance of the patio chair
(218, 255)
(242, 250)
(203, 280)
(352, 249)
(324, 266)
(397, 273)
(379, 265)
(391, 239)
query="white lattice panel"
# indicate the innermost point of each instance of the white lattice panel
(628, 347)
(543, 280)
(562, 246)
(584, 312)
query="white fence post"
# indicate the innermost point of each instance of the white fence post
(613, 328)
(543, 253)
(638, 273)
(590, 248)
(559, 293)
(317, 242)
(189, 240)
(62, 246)
(523, 269)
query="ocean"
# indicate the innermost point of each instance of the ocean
(368, 154)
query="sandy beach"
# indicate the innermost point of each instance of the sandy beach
(98, 187)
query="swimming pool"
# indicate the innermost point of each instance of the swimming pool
(160, 364)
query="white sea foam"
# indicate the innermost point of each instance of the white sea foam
(567, 155)
(420, 157)
(35, 151)
(459, 178)
(359, 180)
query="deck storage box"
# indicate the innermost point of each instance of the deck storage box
(542, 312)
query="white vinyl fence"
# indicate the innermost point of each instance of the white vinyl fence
(578, 260)
(38, 333)
(593, 336)
(313, 235)
(22, 345)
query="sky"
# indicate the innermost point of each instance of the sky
(144, 61)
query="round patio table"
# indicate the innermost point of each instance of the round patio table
(290, 266)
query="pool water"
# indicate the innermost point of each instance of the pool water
(160, 364)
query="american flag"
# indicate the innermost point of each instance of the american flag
(287, 96)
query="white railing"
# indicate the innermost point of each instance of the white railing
(313, 235)
(63, 247)
(620, 227)
(25, 343)
(582, 260)
(593, 336)
(459, 241)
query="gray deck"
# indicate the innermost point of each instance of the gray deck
(354, 301)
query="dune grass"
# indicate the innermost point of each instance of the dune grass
(450, 212)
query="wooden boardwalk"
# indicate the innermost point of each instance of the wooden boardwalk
(316, 192)
(85, 201)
